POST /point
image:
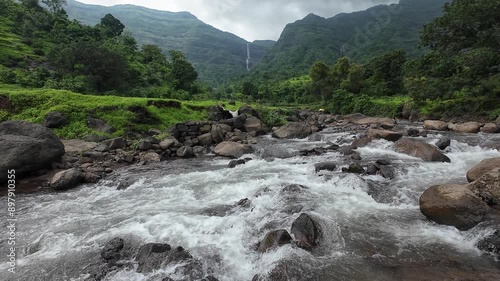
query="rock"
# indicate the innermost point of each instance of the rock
(276, 151)
(236, 122)
(354, 117)
(129, 158)
(293, 130)
(372, 169)
(435, 125)
(232, 149)
(151, 157)
(354, 168)
(253, 126)
(469, 127)
(347, 149)
(91, 177)
(482, 168)
(490, 128)
(154, 256)
(315, 137)
(67, 179)
(205, 139)
(231, 102)
(274, 239)
(218, 133)
(116, 143)
(453, 204)
(387, 172)
(234, 163)
(497, 122)
(443, 143)
(94, 138)
(361, 142)
(144, 145)
(383, 162)
(217, 113)
(209, 278)
(306, 231)
(185, 152)
(101, 148)
(111, 251)
(55, 119)
(384, 134)
(385, 123)
(99, 125)
(325, 166)
(27, 148)
(412, 132)
(487, 187)
(491, 244)
(248, 111)
(421, 150)
(167, 143)
(356, 156)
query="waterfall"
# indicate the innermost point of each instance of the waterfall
(248, 56)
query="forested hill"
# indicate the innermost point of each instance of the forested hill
(215, 54)
(359, 36)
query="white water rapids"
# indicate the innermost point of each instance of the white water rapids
(58, 233)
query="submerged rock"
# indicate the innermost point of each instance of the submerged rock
(421, 150)
(453, 204)
(154, 256)
(112, 250)
(273, 239)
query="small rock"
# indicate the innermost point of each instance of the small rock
(99, 125)
(144, 145)
(443, 143)
(384, 134)
(116, 143)
(356, 156)
(412, 132)
(101, 148)
(325, 166)
(55, 119)
(234, 163)
(66, 179)
(383, 162)
(185, 152)
(354, 168)
(151, 157)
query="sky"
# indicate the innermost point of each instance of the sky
(251, 19)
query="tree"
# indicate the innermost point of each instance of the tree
(386, 73)
(183, 72)
(355, 79)
(55, 6)
(248, 89)
(113, 26)
(321, 80)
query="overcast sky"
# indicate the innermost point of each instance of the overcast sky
(251, 19)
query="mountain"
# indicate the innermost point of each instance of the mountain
(217, 55)
(359, 35)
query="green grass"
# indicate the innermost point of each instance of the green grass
(33, 104)
(12, 49)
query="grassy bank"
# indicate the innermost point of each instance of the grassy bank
(123, 113)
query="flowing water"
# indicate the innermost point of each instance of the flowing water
(373, 229)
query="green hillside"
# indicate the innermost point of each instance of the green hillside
(360, 36)
(216, 55)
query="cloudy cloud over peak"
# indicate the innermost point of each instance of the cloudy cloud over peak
(255, 19)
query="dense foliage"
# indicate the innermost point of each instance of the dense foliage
(63, 54)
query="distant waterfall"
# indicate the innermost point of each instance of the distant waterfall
(248, 56)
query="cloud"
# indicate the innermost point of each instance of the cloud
(256, 19)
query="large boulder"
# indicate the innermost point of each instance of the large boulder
(306, 231)
(487, 187)
(154, 256)
(217, 113)
(482, 168)
(232, 149)
(253, 126)
(386, 123)
(112, 250)
(293, 130)
(435, 125)
(490, 128)
(421, 150)
(235, 122)
(384, 134)
(469, 127)
(99, 125)
(249, 111)
(67, 179)
(27, 147)
(273, 239)
(55, 119)
(453, 204)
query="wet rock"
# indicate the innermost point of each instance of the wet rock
(217, 113)
(91, 177)
(412, 132)
(315, 137)
(55, 119)
(276, 151)
(482, 168)
(232, 149)
(27, 148)
(453, 204)
(435, 125)
(347, 149)
(491, 244)
(234, 163)
(356, 156)
(294, 188)
(274, 239)
(116, 143)
(490, 128)
(383, 162)
(99, 125)
(306, 231)
(487, 187)
(469, 127)
(154, 256)
(293, 130)
(325, 166)
(372, 169)
(387, 172)
(361, 142)
(66, 179)
(443, 143)
(421, 150)
(354, 168)
(185, 152)
(423, 133)
(384, 134)
(112, 250)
